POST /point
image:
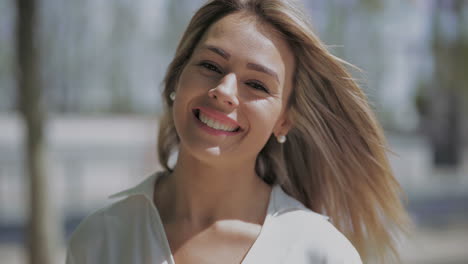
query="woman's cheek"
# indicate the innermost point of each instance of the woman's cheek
(266, 111)
(198, 81)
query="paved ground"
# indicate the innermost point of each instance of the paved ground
(442, 245)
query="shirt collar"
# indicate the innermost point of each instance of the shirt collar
(280, 202)
(283, 203)
(145, 188)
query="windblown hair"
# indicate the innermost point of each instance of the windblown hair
(335, 159)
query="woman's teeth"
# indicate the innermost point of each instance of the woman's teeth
(215, 124)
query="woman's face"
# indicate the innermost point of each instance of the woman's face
(232, 93)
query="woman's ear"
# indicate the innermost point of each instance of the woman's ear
(283, 125)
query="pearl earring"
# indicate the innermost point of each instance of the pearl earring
(281, 139)
(172, 95)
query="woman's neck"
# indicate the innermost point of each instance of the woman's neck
(199, 194)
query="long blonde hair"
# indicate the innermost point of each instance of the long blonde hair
(334, 160)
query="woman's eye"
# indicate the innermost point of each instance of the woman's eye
(258, 86)
(211, 67)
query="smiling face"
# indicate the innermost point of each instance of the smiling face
(233, 92)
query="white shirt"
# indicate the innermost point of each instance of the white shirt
(131, 231)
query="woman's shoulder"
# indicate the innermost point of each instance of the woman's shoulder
(88, 230)
(129, 203)
(113, 224)
(311, 236)
(317, 237)
(102, 219)
(105, 224)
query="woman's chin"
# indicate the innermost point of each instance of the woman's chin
(213, 151)
(214, 156)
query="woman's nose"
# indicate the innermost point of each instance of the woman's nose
(226, 91)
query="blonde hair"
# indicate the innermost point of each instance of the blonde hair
(335, 160)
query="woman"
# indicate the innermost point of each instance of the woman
(272, 134)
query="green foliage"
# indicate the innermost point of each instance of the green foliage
(373, 5)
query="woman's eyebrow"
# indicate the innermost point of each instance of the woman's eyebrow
(218, 51)
(264, 69)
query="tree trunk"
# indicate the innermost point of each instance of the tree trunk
(43, 229)
(447, 86)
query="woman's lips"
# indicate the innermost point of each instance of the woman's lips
(218, 116)
(215, 123)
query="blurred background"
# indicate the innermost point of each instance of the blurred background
(80, 85)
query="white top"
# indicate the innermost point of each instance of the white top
(131, 231)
